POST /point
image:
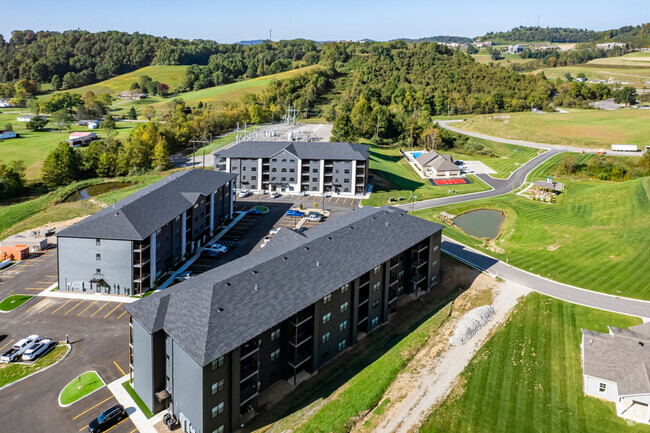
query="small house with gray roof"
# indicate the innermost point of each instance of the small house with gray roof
(433, 164)
(209, 348)
(124, 248)
(296, 166)
(616, 367)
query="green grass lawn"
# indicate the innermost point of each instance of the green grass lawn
(595, 237)
(583, 128)
(172, 75)
(80, 387)
(14, 301)
(402, 181)
(508, 157)
(528, 376)
(134, 395)
(33, 147)
(12, 372)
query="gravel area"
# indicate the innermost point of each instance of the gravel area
(470, 324)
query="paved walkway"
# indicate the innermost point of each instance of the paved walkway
(138, 417)
(86, 296)
(446, 124)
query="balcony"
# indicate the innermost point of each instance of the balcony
(247, 394)
(418, 263)
(248, 372)
(417, 279)
(141, 264)
(421, 248)
(249, 349)
(141, 248)
(142, 279)
(300, 360)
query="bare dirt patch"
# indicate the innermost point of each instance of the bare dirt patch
(553, 247)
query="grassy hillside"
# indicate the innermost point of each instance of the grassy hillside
(529, 375)
(173, 76)
(595, 237)
(33, 147)
(583, 128)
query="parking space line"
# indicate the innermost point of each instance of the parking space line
(118, 367)
(86, 308)
(52, 276)
(46, 307)
(66, 303)
(76, 305)
(40, 289)
(115, 425)
(112, 396)
(109, 313)
(337, 199)
(122, 314)
(99, 309)
(25, 265)
(35, 305)
(134, 430)
(45, 282)
(6, 345)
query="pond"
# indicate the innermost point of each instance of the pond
(95, 190)
(483, 223)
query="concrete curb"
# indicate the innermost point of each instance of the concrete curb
(14, 309)
(41, 370)
(70, 404)
(141, 422)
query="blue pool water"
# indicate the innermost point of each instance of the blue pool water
(416, 155)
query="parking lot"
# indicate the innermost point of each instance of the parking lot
(30, 276)
(77, 309)
(307, 201)
(84, 411)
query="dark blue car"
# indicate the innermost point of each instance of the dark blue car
(295, 213)
(107, 419)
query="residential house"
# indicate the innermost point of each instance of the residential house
(77, 139)
(133, 95)
(7, 134)
(5, 103)
(433, 164)
(549, 185)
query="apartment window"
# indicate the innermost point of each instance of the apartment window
(273, 179)
(345, 288)
(314, 170)
(327, 318)
(346, 171)
(326, 337)
(344, 306)
(217, 363)
(274, 169)
(342, 344)
(346, 180)
(244, 168)
(98, 257)
(291, 179)
(314, 179)
(219, 429)
(327, 298)
(275, 334)
(216, 387)
(374, 322)
(400, 290)
(98, 271)
(274, 160)
(346, 190)
(234, 168)
(275, 355)
(375, 303)
(292, 161)
(159, 231)
(284, 160)
(253, 177)
(292, 170)
(336, 171)
(218, 409)
(98, 242)
(284, 170)
(435, 248)
(314, 188)
(376, 286)
(244, 177)
(253, 168)
(434, 263)
(377, 269)
(400, 274)
(284, 179)
(343, 325)
(602, 387)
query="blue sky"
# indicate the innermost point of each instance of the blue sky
(231, 21)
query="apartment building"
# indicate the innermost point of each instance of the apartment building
(124, 248)
(207, 348)
(294, 166)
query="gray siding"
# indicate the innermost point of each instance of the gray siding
(187, 383)
(280, 171)
(78, 264)
(246, 168)
(143, 355)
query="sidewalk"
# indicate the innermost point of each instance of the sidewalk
(87, 296)
(143, 424)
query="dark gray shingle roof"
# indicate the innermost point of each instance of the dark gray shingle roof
(219, 310)
(622, 356)
(437, 161)
(301, 149)
(139, 215)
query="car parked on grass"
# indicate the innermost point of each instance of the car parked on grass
(244, 193)
(19, 348)
(37, 350)
(295, 213)
(107, 419)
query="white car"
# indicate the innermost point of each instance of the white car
(19, 348)
(218, 247)
(37, 350)
(314, 217)
(275, 195)
(244, 193)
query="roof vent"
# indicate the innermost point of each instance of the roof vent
(254, 272)
(255, 286)
(351, 228)
(641, 343)
(317, 263)
(220, 309)
(285, 258)
(386, 223)
(306, 248)
(227, 284)
(374, 218)
(329, 238)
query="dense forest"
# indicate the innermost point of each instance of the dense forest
(443, 39)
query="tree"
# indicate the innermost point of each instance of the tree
(108, 126)
(471, 49)
(496, 54)
(37, 123)
(148, 112)
(132, 114)
(163, 89)
(61, 166)
(135, 86)
(12, 179)
(62, 101)
(343, 129)
(69, 80)
(161, 153)
(56, 82)
(8, 127)
(361, 118)
(627, 96)
(568, 76)
(61, 120)
(34, 106)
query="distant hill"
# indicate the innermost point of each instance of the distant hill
(251, 42)
(172, 75)
(440, 39)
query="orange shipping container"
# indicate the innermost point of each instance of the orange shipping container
(16, 252)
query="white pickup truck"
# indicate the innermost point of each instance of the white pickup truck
(17, 349)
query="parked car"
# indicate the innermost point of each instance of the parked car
(210, 253)
(37, 350)
(217, 247)
(300, 230)
(19, 348)
(183, 276)
(314, 217)
(244, 193)
(107, 419)
(295, 212)
(254, 212)
(275, 195)
(302, 194)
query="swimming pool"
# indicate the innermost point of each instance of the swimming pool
(416, 155)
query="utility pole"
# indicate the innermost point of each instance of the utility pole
(270, 39)
(201, 143)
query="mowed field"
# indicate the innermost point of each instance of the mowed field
(633, 68)
(580, 128)
(528, 377)
(33, 147)
(172, 75)
(595, 237)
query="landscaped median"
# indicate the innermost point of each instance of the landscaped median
(14, 371)
(80, 387)
(14, 301)
(136, 398)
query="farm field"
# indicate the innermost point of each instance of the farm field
(483, 57)
(529, 375)
(580, 128)
(398, 179)
(172, 75)
(33, 147)
(595, 237)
